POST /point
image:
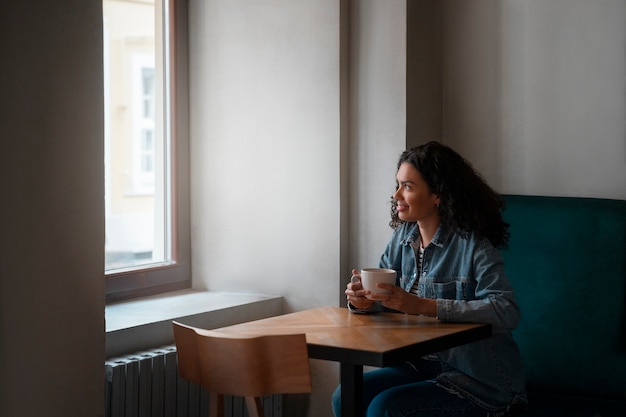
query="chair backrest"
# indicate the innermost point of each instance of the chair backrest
(254, 366)
(245, 366)
(187, 352)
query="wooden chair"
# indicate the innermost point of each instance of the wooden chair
(250, 367)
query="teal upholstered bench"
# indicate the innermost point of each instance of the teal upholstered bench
(567, 263)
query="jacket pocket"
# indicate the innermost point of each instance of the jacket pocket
(452, 290)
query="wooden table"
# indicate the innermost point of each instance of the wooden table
(355, 340)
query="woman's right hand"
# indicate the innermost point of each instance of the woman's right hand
(355, 294)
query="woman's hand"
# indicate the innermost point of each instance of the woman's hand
(406, 302)
(355, 294)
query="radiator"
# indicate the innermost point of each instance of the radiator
(147, 384)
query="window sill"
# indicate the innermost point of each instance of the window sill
(145, 323)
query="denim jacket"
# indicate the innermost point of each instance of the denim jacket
(466, 276)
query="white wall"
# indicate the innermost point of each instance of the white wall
(265, 141)
(268, 147)
(534, 93)
(52, 211)
(265, 147)
(378, 124)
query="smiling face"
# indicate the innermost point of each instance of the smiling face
(414, 200)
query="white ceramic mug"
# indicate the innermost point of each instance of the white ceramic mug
(371, 276)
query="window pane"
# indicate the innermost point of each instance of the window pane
(147, 152)
(136, 167)
(148, 92)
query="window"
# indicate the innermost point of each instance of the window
(147, 225)
(143, 123)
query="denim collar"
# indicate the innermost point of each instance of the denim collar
(442, 234)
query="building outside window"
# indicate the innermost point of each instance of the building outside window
(139, 143)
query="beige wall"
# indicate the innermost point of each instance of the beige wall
(129, 34)
(534, 93)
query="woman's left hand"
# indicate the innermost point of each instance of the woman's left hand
(405, 302)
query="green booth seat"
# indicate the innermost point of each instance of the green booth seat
(567, 263)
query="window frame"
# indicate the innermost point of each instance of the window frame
(176, 275)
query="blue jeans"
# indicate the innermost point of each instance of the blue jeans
(409, 391)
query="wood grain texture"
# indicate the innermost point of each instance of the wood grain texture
(249, 366)
(333, 333)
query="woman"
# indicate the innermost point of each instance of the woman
(448, 226)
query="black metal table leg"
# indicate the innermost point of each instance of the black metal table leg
(351, 390)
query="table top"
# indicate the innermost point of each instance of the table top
(379, 339)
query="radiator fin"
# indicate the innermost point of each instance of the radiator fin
(147, 384)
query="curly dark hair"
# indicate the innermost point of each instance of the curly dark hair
(467, 203)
